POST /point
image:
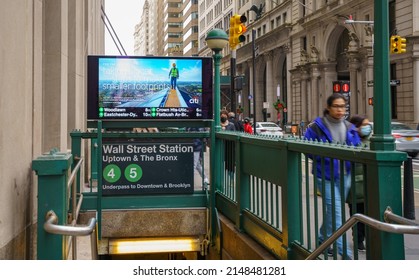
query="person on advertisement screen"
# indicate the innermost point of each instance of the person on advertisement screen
(173, 75)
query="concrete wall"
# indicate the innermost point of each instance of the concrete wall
(237, 245)
(43, 49)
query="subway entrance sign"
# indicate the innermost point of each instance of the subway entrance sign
(147, 167)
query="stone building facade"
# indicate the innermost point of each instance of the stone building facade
(301, 47)
(43, 54)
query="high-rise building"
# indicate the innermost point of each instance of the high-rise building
(168, 28)
(190, 27)
(148, 35)
(172, 28)
(141, 33)
(302, 47)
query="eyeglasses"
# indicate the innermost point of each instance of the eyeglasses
(335, 106)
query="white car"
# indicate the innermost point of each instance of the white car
(405, 138)
(268, 128)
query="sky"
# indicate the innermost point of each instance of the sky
(123, 15)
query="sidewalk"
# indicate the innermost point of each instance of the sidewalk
(411, 241)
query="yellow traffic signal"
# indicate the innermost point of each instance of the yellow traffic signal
(231, 34)
(237, 28)
(402, 45)
(394, 44)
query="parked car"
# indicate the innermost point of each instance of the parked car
(268, 128)
(405, 138)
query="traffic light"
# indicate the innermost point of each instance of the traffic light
(394, 44)
(402, 45)
(342, 87)
(397, 44)
(237, 28)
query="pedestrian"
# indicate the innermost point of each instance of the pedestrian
(247, 126)
(333, 128)
(355, 198)
(173, 75)
(232, 119)
(199, 146)
(225, 124)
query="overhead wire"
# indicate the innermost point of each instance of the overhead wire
(112, 33)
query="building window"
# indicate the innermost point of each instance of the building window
(202, 7)
(303, 43)
(392, 17)
(227, 3)
(393, 91)
(302, 10)
(227, 20)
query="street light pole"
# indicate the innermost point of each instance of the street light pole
(216, 40)
(382, 138)
(232, 77)
(254, 79)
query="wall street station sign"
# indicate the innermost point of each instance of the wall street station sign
(147, 168)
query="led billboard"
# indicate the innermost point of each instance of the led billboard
(149, 88)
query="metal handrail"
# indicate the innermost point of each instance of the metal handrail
(71, 186)
(72, 229)
(411, 228)
(51, 226)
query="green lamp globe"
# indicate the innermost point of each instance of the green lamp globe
(216, 39)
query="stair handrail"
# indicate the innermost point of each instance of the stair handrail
(51, 226)
(405, 226)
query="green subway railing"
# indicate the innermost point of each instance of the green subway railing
(270, 193)
(265, 188)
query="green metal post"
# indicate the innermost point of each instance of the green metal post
(291, 194)
(52, 171)
(76, 151)
(215, 144)
(382, 139)
(384, 173)
(216, 39)
(99, 179)
(242, 185)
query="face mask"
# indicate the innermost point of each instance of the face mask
(223, 119)
(365, 130)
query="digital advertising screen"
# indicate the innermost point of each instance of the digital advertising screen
(149, 88)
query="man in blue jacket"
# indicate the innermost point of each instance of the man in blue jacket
(333, 128)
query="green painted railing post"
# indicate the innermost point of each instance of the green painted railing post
(242, 186)
(291, 201)
(384, 190)
(52, 170)
(76, 142)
